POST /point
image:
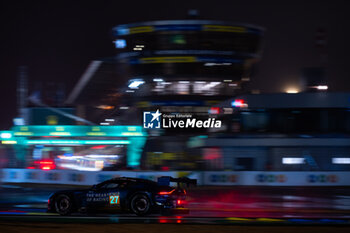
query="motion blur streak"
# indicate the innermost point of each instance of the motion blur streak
(237, 202)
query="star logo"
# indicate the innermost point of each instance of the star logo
(155, 115)
(151, 120)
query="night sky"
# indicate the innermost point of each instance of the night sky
(58, 39)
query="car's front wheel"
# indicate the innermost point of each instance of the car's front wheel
(64, 205)
(140, 204)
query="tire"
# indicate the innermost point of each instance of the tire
(63, 204)
(140, 204)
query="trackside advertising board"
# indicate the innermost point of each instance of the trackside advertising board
(256, 178)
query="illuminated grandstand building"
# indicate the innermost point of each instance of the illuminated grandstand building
(189, 63)
(176, 66)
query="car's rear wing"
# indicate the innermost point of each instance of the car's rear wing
(165, 180)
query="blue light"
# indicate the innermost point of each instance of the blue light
(123, 31)
(299, 220)
(238, 103)
(120, 43)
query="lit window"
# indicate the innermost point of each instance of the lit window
(341, 160)
(293, 160)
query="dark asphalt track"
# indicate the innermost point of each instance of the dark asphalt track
(213, 209)
(212, 202)
(34, 227)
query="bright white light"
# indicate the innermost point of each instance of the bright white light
(217, 64)
(322, 87)
(210, 85)
(209, 64)
(6, 135)
(104, 123)
(79, 168)
(138, 47)
(131, 91)
(74, 157)
(109, 119)
(293, 160)
(341, 160)
(184, 82)
(158, 80)
(102, 156)
(199, 82)
(124, 107)
(135, 84)
(227, 80)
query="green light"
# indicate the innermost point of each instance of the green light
(78, 131)
(79, 142)
(135, 136)
(134, 151)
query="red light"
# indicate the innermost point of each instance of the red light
(178, 219)
(212, 153)
(214, 110)
(238, 103)
(98, 147)
(30, 167)
(179, 202)
(166, 193)
(46, 162)
(165, 168)
(163, 220)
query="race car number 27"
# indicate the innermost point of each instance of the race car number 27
(114, 200)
